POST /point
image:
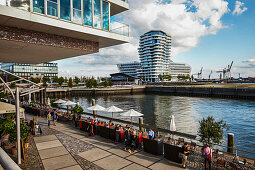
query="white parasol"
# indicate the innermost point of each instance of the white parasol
(113, 109)
(59, 101)
(172, 127)
(96, 108)
(131, 113)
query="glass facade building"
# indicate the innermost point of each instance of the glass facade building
(154, 52)
(179, 69)
(132, 69)
(93, 13)
(32, 70)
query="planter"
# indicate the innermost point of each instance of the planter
(171, 152)
(14, 150)
(104, 132)
(153, 146)
(26, 144)
(112, 134)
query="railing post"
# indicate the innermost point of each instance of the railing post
(141, 124)
(18, 126)
(230, 142)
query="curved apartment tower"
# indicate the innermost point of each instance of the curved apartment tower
(155, 53)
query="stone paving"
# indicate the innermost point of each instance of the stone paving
(71, 148)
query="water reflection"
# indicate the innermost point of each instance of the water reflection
(188, 111)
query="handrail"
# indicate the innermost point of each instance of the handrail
(7, 162)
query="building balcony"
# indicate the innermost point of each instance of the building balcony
(48, 30)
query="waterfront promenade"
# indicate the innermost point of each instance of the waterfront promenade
(65, 147)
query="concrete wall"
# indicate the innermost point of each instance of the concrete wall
(242, 93)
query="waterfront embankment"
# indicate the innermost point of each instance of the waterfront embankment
(238, 93)
(208, 91)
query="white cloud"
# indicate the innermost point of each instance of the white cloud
(186, 21)
(239, 8)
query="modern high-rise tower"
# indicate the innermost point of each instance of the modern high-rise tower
(155, 53)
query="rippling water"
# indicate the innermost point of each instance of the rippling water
(239, 114)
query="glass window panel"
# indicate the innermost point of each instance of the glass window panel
(87, 12)
(38, 6)
(52, 8)
(77, 4)
(97, 13)
(65, 10)
(77, 16)
(105, 15)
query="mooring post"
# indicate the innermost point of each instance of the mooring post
(230, 142)
(93, 104)
(141, 124)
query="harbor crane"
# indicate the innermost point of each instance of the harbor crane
(226, 71)
(210, 75)
(199, 74)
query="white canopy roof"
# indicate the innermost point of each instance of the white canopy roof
(59, 101)
(68, 103)
(9, 108)
(96, 108)
(131, 113)
(113, 109)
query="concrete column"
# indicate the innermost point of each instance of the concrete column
(18, 126)
(230, 142)
(45, 96)
(93, 104)
(141, 124)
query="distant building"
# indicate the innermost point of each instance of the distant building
(32, 70)
(179, 69)
(131, 69)
(154, 51)
(123, 79)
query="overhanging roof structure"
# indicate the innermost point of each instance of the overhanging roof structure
(32, 38)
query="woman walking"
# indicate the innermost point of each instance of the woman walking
(207, 153)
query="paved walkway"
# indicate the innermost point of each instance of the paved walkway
(58, 153)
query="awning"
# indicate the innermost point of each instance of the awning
(9, 108)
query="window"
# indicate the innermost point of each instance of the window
(105, 15)
(97, 14)
(52, 8)
(65, 10)
(87, 12)
(38, 6)
(77, 11)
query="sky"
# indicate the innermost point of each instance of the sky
(205, 33)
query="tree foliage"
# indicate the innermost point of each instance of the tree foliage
(183, 77)
(211, 131)
(76, 80)
(70, 82)
(167, 77)
(77, 109)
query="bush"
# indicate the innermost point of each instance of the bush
(211, 131)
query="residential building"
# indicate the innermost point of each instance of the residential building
(154, 52)
(131, 69)
(179, 69)
(39, 31)
(32, 70)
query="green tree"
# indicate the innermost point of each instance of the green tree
(66, 80)
(89, 84)
(105, 83)
(77, 109)
(45, 80)
(61, 80)
(76, 80)
(110, 82)
(211, 131)
(70, 82)
(55, 79)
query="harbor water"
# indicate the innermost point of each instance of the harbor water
(188, 111)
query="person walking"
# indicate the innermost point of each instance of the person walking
(49, 118)
(185, 154)
(55, 117)
(207, 154)
(127, 138)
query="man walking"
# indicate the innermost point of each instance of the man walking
(49, 118)
(55, 117)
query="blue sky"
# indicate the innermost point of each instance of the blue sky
(206, 34)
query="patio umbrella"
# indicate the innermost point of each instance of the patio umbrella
(48, 102)
(113, 109)
(172, 127)
(68, 103)
(9, 108)
(96, 108)
(59, 101)
(131, 113)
